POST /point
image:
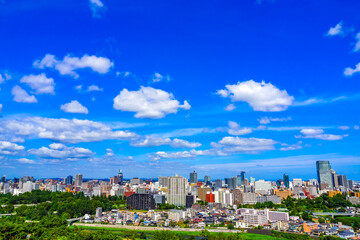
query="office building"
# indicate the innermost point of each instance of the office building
(3, 179)
(78, 180)
(193, 177)
(164, 182)
(323, 169)
(218, 183)
(231, 182)
(297, 182)
(242, 175)
(286, 181)
(190, 200)
(98, 213)
(141, 201)
(343, 181)
(69, 180)
(335, 178)
(207, 180)
(177, 191)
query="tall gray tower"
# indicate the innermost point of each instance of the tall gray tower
(323, 169)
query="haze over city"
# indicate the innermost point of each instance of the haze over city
(160, 88)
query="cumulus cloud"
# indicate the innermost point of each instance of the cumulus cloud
(148, 102)
(235, 129)
(69, 64)
(230, 107)
(151, 141)
(238, 144)
(40, 83)
(26, 160)
(4, 77)
(61, 151)
(295, 146)
(21, 96)
(157, 77)
(260, 96)
(350, 71)
(9, 148)
(357, 44)
(337, 30)
(267, 120)
(94, 88)
(74, 107)
(318, 134)
(61, 130)
(96, 7)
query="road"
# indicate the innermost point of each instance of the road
(152, 228)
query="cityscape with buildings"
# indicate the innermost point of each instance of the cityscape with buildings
(240, 201)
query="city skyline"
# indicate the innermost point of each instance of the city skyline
(162, 89)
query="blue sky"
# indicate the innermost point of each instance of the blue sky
(163, 88)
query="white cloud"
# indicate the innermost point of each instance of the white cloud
(69, 64)
(1, 107)
(94, 88)
(267, 120)
(74, 107)
(344, 127)
(148, 102)
(237, 144)
(60, 151)
(4, 77)
(318, 134)
(296, 146)
(260, 96)
(151, 141)
(350, 71)
(157, 77)
(179, 155)
(20, 95)
(230, 107)
(235, 129)
(315, 100)
(357, 44)
(96, 7)
(109, 152)
(356, 127)
(25, 160)
(40, 83)
(9, 148)
(337, 30)
(61, 130)
(123, 74)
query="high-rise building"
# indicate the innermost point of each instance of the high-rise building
(324, 173)
(141, 201)
(297, 182)
(335, 178)
(231, 182)
(218, 183)
(120, 176)
(78, 180)
(3, 178)
(69, 180)
(207, 180)
(286, 181)
(98, 213)
(177, 191)
(238, 181)
(343, 181)
(164, 181)
(193, 177)
(242, 175)
(190, 200)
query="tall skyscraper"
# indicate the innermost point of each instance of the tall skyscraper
(69, 180)
(207, 180)
(231, 182)
(323, 169)
(177, 191)
(3, 178)
(78, 180)
(343, 181)
(286, 181)
(120, 176)
(218, 183)
(335, 178)
(238, 180)
(242, 175)
(193, 177)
